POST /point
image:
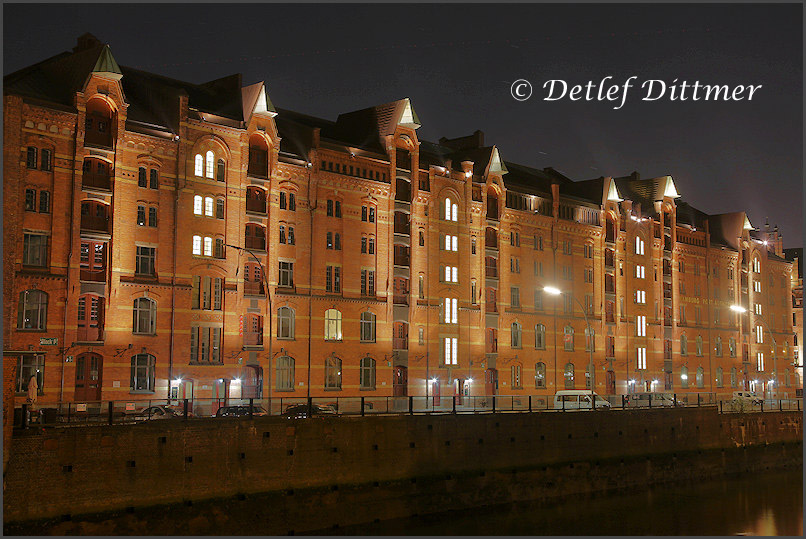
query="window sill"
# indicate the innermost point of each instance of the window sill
(286, 338)
(333, 340)
(32, 330)
(368, 342)
(367, 389)
(141, 391)
(144, 334)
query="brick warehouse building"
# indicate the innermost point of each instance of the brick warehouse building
(163, 237)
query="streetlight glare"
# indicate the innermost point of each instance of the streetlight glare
(553, 290)
(738, 309)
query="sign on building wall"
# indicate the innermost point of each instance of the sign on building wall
(48, 341)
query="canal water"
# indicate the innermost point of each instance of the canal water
(769, 503)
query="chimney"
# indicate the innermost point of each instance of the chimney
(85, 42)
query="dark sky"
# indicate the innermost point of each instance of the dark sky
(457, 62)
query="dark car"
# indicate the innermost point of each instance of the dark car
(160, 411)
(240, 410)
(300, 411)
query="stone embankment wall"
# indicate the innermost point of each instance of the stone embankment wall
(354, 470)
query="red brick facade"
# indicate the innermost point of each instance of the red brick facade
(369, 225)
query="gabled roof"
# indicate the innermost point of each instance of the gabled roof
(256, 101)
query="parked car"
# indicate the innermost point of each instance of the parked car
(647, 400)
(747, 397)
(578, 399)
(300, 411)
(240, 410)
(158, 411)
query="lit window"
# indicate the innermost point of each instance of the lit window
(454, 215)
(332, 325)
(641, 358)
(210, 163)
(447, 274)
(455, 272)
(447, 209)
(197, 245)
(639, 272)
(451, 349)
(454, 243)
(760, 361)
(759, 334)
(640, 326)
(639, 246)
(208, 246)
(199, 168)
(640, 296)
(208, 206)
(197, 204)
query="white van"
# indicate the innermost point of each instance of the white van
(578, 399)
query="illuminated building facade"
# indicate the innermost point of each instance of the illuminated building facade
(167, 238)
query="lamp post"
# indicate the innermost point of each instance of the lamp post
(268, 311)
(554, 291)
(741, 310)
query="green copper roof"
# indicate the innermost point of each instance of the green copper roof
(106, 63)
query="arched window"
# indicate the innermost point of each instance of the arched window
(540, 337)
(447, 209)
(733, 380)
(569, 376)
(199, 165)
(221, 171)
(367, 373)
(33, 310)
(718, 347)
(142, 373)
(684, 377)
(197, 204)
(568, 340)
(683, 345)
(699, 345)
(209, 164)
(145, 316)
(285, 373)
(787, 379)
(197, 245)
(208, 246)
(219, 208)
(367, 327)
(285, 323)
(540, 375)
(732, 347)
(208, 206)
(590, 341)
(700, 377)
(333, 371)
(515, 335)
(332, 325)
(255, 236)
(719, 382)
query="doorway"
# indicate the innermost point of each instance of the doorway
(400, 381)
(491, 382)
(88, 377)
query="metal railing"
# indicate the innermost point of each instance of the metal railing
(125, 412)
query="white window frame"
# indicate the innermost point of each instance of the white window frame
(197, 245)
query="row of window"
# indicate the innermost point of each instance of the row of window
(203, 246)
(41, 159)
(141, 216)
(143, 366)
(148, 178)
(208, 206)
(354, 171)
(44, 201)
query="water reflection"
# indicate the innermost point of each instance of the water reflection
(760, 504)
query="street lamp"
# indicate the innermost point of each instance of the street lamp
(554, 291)
(268, 313)
(741, 310)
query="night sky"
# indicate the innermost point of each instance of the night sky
(457, 63)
